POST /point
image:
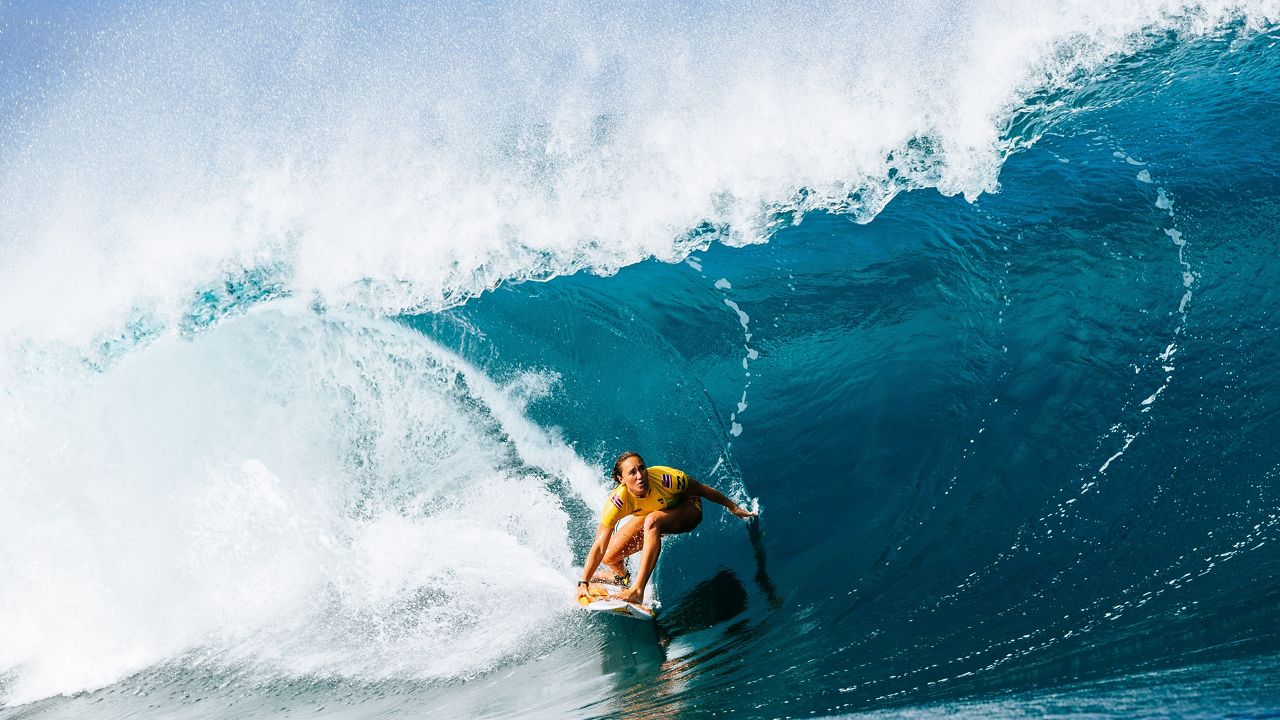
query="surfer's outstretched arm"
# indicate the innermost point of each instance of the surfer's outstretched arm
(603, 534)
(698, 489)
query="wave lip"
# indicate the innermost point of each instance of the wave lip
(403, 159)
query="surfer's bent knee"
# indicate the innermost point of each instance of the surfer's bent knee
(653, 521)
(680, 519)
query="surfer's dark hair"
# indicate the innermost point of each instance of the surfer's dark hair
(617, 464)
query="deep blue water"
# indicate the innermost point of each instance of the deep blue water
(1014, 453)
(937, 395)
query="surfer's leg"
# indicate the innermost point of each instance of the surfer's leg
(683, 517)
(679, 519)
(626, 541)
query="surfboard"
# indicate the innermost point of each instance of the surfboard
(598, 600)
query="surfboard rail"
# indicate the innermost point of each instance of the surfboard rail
(598, 600)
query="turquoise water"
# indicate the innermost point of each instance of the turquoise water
(317, 350)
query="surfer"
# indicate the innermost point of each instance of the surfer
(665, 501)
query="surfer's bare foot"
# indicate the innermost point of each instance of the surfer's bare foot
(630, 596)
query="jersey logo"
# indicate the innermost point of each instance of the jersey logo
(617, 501)
(666, 480)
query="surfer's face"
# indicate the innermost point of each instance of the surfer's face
(635, 477)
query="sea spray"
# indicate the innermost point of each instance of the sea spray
(316, 493)
(404, 159)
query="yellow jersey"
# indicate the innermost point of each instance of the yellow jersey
(667, 488)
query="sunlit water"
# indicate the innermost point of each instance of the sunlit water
(975, 303)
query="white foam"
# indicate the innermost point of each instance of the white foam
(316, 494)
(413, 157)
(327, 493)
(743, 319)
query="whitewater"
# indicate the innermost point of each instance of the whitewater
(322, 323)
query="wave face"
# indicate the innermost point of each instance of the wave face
(974, 302)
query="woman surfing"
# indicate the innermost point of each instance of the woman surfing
(665, 501)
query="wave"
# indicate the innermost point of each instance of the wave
(403, 160)
(304, 493)
(218, 450)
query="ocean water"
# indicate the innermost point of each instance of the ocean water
(321, 323)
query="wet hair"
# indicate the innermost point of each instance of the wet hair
(617, 464)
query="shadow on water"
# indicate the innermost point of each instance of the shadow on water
(762, 572)
(651, 679)
(710, 603)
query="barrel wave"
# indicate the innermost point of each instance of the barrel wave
(321, 325)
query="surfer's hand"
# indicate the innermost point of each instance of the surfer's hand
(742, 512)
(582, 590)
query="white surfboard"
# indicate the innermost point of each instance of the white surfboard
(598, 600)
